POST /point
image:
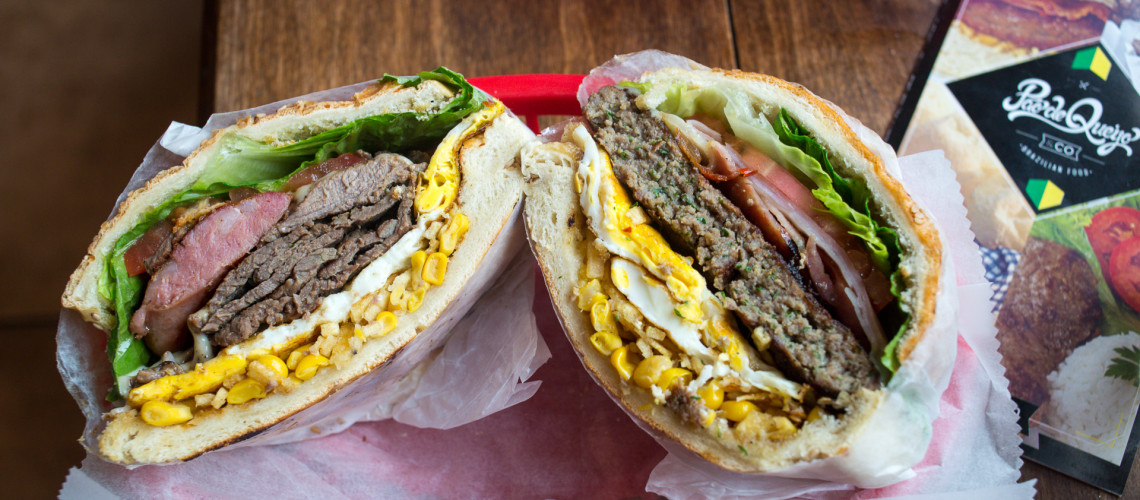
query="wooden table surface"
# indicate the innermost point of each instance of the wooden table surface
(857, 54)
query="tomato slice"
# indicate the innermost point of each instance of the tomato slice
(1124, 271)
(1108, 229)
(143, 248)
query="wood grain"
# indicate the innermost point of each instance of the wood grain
(87, 89)
(857, 54)
(269, 50)
(41, 422)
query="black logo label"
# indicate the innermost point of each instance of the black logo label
(1065, 126)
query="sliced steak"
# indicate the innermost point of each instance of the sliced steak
(180, 221)
(345, 221)
(345, 189)
(198, 263)
(747, 272)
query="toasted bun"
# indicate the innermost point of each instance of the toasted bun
(489, 191)
(557, 228)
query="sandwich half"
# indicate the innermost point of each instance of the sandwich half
(291, 254)
(734, 264)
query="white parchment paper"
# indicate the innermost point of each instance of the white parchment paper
(917, 442)
(472, 362)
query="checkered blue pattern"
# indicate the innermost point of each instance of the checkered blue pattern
(1000, 263)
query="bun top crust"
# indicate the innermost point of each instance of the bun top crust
(919, 242)
(291, 122)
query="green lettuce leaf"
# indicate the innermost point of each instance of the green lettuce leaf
(890, 358)
(244, 162)
(840, 195)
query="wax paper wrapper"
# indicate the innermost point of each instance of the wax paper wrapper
(900, 443)
(473, 361)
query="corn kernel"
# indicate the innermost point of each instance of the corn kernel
(417, 270)
(267, 369)
(816, 414)
(309, 365)
(709, 418)
(435, 268)
(416, 298)
(605, 342)
(600, 316)
(296, 355)
(162, 414)
(587, 292)
(385, 322)
(674, 376)
(737, 410)
(649, 370)
(712, 395)
(455, 230)
(245, 390)
(621, 362)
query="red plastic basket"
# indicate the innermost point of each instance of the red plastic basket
(531, 96)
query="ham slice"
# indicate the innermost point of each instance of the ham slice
(796, 223)
(198, 263)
